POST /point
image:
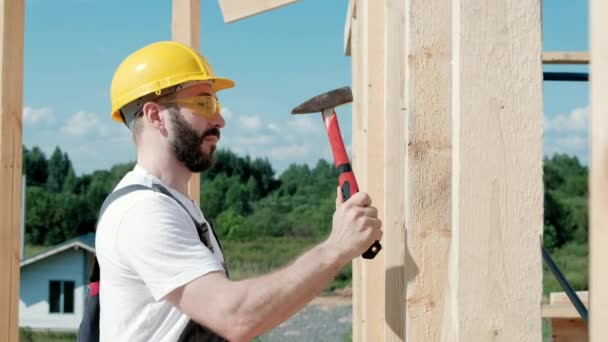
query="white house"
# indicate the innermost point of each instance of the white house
(53, 284)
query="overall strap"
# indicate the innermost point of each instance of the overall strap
(106, 203)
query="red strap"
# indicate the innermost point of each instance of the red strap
(94, 289)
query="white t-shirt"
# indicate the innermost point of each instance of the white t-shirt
(147, 246)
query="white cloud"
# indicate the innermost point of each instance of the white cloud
(81, 123)
(290, 152)
(274, 127)
(227, 113)
(577, 120)
(251, 122)
(32, 116)
(572, 143)
(254, 140)
(305, 124)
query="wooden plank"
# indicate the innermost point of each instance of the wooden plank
(558, 298)
(394, 171)
(569, 330)
(373, 113)
(566, 57)
(356, 157)
(495, 275)
(429, 165)
(559, 311)
(598, 181)
(186, 28)
(350, 13)
(11, 119)
(234, 10)
(362, 152)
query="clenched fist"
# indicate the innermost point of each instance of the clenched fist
(355, 225)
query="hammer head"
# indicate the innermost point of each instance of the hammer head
(330, 99)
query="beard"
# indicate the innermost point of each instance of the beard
(186, 144)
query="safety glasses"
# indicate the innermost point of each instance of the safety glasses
(206, 106)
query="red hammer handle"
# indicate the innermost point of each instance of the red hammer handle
(346, 176)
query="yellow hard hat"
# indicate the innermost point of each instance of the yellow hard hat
(156, 67)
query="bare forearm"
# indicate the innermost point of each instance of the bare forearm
(270, 299)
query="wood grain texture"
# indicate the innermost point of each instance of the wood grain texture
(429, 161)
(394, 171)
(495, 275)
(598, 185)
(11, 146)
(234, 10)
(186, 28)
(373, 270)
(356, 158)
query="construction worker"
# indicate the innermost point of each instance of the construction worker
(162, 268)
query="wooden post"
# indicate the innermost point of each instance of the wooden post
(372, 97)
(353, 35)
(11, 145)
(495, 276)
(394, 171)
(428, 172)
(598, 232)
(186, 28)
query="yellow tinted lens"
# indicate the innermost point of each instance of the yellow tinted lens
(205, 105)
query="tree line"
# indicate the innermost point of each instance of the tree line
(241, 197)
(244, 199)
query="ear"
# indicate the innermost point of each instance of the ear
(152, 114)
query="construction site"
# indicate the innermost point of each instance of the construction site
(447, 138)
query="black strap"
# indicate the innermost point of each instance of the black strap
(201, 228)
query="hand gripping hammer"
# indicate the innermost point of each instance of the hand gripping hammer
(326, 104)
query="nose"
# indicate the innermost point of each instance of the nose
(218, 121)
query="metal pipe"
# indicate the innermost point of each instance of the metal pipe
(566, 76)
(576, 301)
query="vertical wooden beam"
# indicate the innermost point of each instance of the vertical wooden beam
(186, 28)
(355, 51)
(428, 171)
(598, 186)
(372, 96)
(496, 271)
(11, 145)
(350, 14)
(394, 168)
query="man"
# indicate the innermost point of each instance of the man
(158, 279)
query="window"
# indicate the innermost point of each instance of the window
(61, 296)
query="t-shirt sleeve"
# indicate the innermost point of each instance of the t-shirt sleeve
(158, 240)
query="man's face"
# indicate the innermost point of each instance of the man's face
(193, 138)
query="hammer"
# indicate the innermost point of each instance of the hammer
(326, 104)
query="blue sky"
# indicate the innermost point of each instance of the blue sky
(278, 59)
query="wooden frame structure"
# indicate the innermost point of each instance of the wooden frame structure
(452, 158)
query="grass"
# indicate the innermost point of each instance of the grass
(253, 258)
(28, 335)
(33, 250)
(572, 260)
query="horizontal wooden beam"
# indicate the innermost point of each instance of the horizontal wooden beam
(234, 10)
(566, 57)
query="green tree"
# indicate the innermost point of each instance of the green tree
(35, 166)
(59, 166)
